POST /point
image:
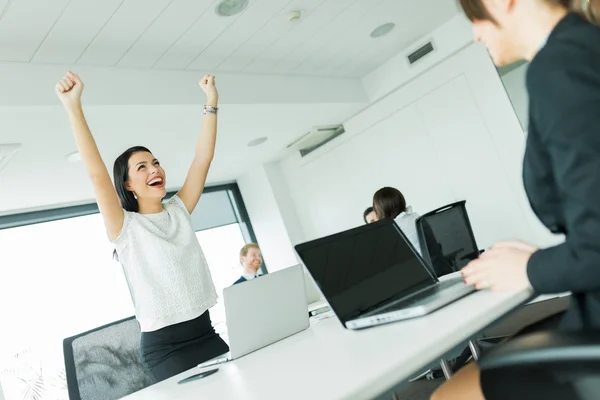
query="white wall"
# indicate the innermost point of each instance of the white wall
(514, 84)
(448, 135)
(267, 221)
(447, 39)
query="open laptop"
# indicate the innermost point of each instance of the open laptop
(372, 275)
(263, 311)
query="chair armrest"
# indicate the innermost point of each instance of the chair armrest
(545, 348)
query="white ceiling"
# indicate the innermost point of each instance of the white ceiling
(39, 175)
(141, 60)
(332, 38)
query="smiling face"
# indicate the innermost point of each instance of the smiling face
(252, 260)
(147, 179)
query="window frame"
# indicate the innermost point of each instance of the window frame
(55, 214)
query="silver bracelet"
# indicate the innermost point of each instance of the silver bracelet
(210, 109)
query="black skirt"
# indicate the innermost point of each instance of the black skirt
(530, 383)
(176, 348)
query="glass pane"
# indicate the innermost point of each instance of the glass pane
(513, 77)
(213, 210)
(221, 248)
(57, 279)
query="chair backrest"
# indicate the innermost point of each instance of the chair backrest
(105, 363)
(446, 238)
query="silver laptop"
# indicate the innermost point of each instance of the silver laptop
(372, 275)
(263, 311)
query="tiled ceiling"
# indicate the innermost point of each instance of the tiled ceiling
(331, 39)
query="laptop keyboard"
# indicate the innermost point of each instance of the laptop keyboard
(420, 297)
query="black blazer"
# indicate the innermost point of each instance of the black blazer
(240, 280)
(561, 170)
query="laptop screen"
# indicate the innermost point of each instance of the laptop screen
(364, 267)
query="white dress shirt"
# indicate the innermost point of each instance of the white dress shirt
(406, 221)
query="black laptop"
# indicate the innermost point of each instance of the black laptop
(372, 275)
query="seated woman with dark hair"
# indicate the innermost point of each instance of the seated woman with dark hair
(389, 203)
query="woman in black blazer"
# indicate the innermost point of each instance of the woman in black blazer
(561, 171)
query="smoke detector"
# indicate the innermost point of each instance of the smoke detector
(228, 8)
(294, 16)
(7, 151)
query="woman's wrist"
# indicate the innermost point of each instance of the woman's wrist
(212, 101)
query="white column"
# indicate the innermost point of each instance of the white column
(267, 220)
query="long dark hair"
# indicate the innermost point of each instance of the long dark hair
(121, 176)
(388, 202)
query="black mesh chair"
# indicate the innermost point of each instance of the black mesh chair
(447, 239)
(448, 244)
(105, 363)
(566, 364)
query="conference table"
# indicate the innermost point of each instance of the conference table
(327, 361)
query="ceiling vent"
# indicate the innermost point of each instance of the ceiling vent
(420, 53)
(316, 138)
(7, 151)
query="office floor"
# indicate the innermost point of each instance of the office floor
(419, 390)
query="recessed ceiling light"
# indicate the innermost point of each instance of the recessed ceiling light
(382, 30)
(257, 142)
(227, 8)
(74, 157)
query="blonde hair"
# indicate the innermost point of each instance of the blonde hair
(244, 250)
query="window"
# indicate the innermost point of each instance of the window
(58, 279)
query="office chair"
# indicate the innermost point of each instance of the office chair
(447, 239)
(448, 244)
(105, 363)
(572, 359)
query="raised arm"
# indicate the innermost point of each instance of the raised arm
(69, 91)
(205, 148)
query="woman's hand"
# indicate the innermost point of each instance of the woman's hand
(69, 90)
(502, 268)
(207, 83)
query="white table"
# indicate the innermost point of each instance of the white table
(329, 362)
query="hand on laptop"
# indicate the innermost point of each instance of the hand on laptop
(502, 268)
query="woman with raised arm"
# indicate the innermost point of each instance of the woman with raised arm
(165, 269)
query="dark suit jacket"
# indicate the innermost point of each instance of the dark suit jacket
(561, 170)
(242, 279)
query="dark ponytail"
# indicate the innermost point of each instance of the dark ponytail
(121, 176)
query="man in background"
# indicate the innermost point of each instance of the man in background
(251, 260)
